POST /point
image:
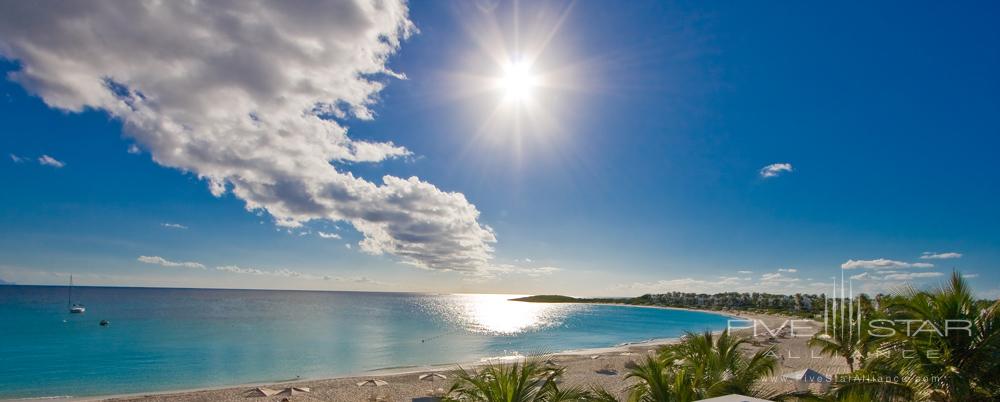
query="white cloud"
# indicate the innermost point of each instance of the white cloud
(167, 263)
(789, 270)
(239, 270)
(905, 276)
(723, 284)
(770, 282)
(348, 245)
(495, 271)
(42, 160)
(970, 276)
(775, 169)
(928, 255)
(894, 275)
(50, 161)
(134, 149)
(354, 279)
(861, 276)
(173, 225)
(283, 273)
(777, 278)
(744, 272)
(287, 273)
(541, 270)
(882, 263)
(328, 235)
(778, 283)
(249, 96)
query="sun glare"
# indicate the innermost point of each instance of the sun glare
(517, 78)
(518, 81)
(498, 315)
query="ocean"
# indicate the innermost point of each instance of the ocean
(174, 339)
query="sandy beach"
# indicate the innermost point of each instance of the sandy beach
(603, 367)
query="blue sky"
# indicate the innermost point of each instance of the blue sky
(636, 165)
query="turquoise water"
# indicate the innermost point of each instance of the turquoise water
(170, 339)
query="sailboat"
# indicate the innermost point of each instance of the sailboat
(74, 308)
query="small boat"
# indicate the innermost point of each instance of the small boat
(74, 308)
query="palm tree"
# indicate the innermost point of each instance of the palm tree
(840, 340)
(850, 337)
(946, 347)
(658, 382)
(598, 394)
(716, 365)
(526, 381)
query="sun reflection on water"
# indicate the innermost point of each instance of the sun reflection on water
(498, 315)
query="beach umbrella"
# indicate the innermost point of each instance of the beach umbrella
(372, 383)
(264, 391)
(295, 391)
(805, 377)
(431, 377)
(375, 384)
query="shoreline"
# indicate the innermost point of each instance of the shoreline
(388, 372)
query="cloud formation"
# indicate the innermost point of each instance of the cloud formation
(894, 275)
(775, 169)
(250, 97)
(722, 284)
(905, 276)
(776, 278)
(328, 235)
(173, 225)
(287, 273)
(882, 263)
(772, 282)
(930, 255)
(283, 273)
(44, 160)
(503, 269)
(50, 161)
(156, 260)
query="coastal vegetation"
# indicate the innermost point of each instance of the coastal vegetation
(715, 364)
(945, 346)
(801, 305)
(561, 299)
(849, 337)
(700, 366)
(939, 345)
(528, 381)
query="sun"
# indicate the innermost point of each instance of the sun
(518, 82)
